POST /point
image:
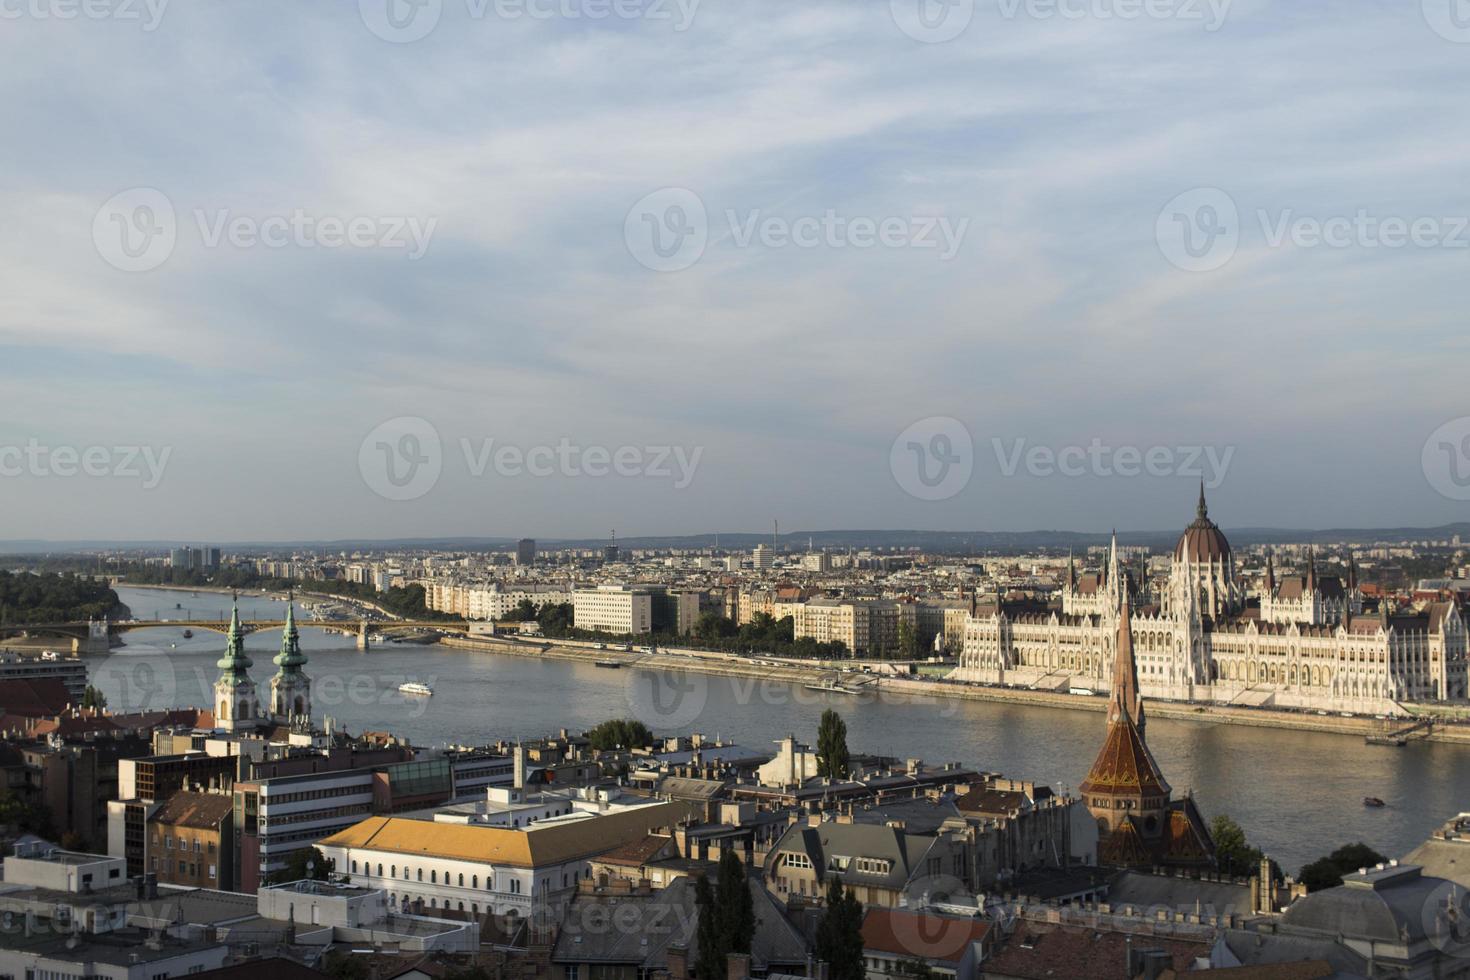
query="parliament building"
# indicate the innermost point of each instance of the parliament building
(1305, 641)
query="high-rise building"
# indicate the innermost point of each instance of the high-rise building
(764, 556)
(526, 551)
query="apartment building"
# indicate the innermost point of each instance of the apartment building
(191, 841)
(613, 609)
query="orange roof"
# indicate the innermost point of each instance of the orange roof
(1124, 765)
(521, 847)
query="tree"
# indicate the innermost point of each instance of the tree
(620, 733)
(342, 965)
(1233, 854)
(908, 643)
(93, 698)
(833, 761)
(1327, 872)
(840, 934)
(296, 867)
(726, 916)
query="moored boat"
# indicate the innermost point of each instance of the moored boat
(414, 687)
(1373, 801)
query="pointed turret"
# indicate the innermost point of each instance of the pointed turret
(1352, 572)
(1125, 699)
(1270, 574)
(1071, 572)
(290, 659)
(1202, 509)
(1311, 569)
(234, 664)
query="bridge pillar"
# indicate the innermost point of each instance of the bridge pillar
(362, 635)
(97, 642)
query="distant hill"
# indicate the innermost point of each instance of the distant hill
(939, 542)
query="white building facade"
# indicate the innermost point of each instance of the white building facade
(1307, 645)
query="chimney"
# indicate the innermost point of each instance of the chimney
(821, 972)
(678, 956)
(737, 966)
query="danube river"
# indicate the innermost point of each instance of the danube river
(1298, 794)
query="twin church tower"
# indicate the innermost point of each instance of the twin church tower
(236, 704)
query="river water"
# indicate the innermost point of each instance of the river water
(1298, 794)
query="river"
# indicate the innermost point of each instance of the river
(1298, 794)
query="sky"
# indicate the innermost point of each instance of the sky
(399, 268)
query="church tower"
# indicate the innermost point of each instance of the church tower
(1139, 824)
(235, 703)
(290, 688)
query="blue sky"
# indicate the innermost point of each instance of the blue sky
(526, 144)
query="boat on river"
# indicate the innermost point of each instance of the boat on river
(415, 687)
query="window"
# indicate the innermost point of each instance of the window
(380, 870)
(354, 867)
(421, 874)
(461, 884)
(475, 881)
(212, 869)
(433, 877)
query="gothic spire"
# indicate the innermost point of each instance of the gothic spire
(1202, 510)
(1311, 569)
(1270, 574)
(1125, 700)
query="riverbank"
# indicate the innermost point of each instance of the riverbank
(915, 690)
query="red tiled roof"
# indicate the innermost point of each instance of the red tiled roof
(915, 935)
(1057, 952)
(34, 698)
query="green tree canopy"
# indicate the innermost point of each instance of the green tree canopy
(1327, 872)
(840, 934)
(620, 733)
(833, 760)
(726, 916)
(296, 867)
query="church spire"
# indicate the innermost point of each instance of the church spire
(290, 660)
(1311, 569)
(1125, 700)
(291, 688)
(234, 664)
(1270, 574)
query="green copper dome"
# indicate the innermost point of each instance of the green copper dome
(290, 659)
(234, 663)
